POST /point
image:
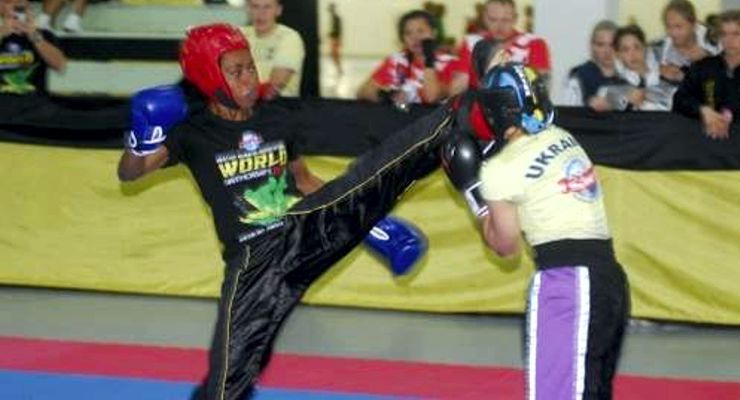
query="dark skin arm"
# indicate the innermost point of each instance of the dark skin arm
(305, 180)
(132, 167)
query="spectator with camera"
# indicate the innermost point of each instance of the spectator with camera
(418, 73)
(25, 51)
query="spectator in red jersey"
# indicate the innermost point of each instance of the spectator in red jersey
(500, 18)
(418, 73)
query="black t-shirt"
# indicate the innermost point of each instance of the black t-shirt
(22, 70)
(241, 169)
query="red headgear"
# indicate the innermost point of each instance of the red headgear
(200, 57)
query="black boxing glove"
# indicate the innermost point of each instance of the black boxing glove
(461, 159)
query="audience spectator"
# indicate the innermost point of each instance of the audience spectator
(335, 38)
(417, 74)
(711, 90)
(712, 23)
(685, 41)
(25, 51)
(586, 79)
(475, 24)
(438, 11)
(50, 11)
(639, 68)
(529, 18)
(500, 19)
(278, 50)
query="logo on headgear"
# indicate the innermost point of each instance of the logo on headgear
(580, 180)
(251, 141)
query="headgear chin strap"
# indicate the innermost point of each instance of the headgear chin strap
(513, 95)
(200, 57)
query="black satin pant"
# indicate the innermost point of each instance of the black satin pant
(263, 285)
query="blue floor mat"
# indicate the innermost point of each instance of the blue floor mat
(15, 385)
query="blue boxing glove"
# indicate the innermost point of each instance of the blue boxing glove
(153, 112)
(398, 242)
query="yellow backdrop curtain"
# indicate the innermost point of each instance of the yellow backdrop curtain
(67, 222)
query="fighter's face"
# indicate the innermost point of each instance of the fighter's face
(240, 74)
(264, 14)
(678, 28)
(500, 20)
(414, 31)
(602, 48)
(729, 37)
(631, 51)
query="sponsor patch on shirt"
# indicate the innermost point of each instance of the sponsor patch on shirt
(580, 180)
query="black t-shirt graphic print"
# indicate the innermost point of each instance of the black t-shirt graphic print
(241, 168)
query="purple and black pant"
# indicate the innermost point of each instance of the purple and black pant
(576, 315)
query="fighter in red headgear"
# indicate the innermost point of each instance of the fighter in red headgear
(200, 57)
(280, 228)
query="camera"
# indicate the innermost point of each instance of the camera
(20, 13)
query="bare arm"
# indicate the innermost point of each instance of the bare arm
(369, 91)
(305, 180)
(50, 53)
(500, 228)
(433, 90)
(459, 83)
(132, 167)
(279, 77)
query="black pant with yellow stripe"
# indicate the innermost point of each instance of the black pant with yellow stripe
(263, 285)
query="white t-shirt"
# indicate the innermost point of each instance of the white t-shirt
(282, 48)
(552, 182)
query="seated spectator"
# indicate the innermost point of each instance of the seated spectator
(475, 24)
(711, 90)
(685, 42)
(50, 11)
(418, 73)
(278, 50)
(500, 18)
(638, 67)
(711, 21)
(25, 51)
(586, 79)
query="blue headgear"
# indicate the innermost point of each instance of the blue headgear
(513, 95)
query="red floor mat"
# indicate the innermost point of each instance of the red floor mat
(350, 375)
